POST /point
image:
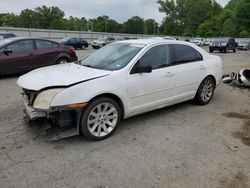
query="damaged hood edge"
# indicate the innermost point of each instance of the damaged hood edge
(64, 75)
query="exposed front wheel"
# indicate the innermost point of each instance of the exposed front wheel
(100, 119)
(205, 91)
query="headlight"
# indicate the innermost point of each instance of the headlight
(44, 99)
(224, 44)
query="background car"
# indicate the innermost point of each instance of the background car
(5, 35)
(223, 45)
(198, 41)
(102, 42)
(77, 43)
(18, 55)
(142, 75)
(243, 45)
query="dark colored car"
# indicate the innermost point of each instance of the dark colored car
(244, 45)
(18, 55)
(223, 45)
(6, 35)
(77, 43)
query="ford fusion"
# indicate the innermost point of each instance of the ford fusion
(121, 80)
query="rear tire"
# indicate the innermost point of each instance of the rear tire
(234, 50)
(205, 91)
(211, 51)
(100, 119)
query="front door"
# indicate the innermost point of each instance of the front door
(20, 59)
(150, 90)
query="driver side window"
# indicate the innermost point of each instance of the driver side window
(21, 46)
(157, 57)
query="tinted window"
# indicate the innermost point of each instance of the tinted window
(184, 53)
(25, 45)
(157, 57)
(41, 44)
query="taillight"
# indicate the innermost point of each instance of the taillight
(71, 49)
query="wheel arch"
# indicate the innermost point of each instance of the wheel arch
(211, 76)
(115, 98)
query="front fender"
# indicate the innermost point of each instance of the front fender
(86, 91)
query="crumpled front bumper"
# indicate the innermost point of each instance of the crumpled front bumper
(30, 111)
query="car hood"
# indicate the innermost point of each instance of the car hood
(59, 76)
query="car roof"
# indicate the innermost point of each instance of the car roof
(27, 38)
(153, 41)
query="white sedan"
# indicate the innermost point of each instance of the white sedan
(121, 80)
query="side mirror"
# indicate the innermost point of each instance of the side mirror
(8, 51)
(142, 69)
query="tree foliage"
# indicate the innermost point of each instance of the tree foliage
(205, 18)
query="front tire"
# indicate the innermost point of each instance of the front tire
(205, 91)
(100, 119)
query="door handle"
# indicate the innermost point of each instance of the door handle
(169, 74)
(202, 67)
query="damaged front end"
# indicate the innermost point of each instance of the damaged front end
(241, 78)
(37, 107)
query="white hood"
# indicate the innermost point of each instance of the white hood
(58, 75)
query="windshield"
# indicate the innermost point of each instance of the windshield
(112, 57)
(101, 39)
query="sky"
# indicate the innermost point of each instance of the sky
(120, 10)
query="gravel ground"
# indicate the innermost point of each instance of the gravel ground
(180, 146)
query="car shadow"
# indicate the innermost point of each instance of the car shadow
(135, 122)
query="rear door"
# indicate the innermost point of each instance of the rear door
(20, 59)
(190, 69)
(45, 53)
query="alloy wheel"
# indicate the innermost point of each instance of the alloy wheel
(102, 119)
(207, 90)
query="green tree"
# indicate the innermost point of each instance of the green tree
(151, 26)
(134, 25)
(46, 15)
(242, 15)
(244, 34)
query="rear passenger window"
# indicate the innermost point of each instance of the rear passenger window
(184, 54)
(157, 57)
(41, 44)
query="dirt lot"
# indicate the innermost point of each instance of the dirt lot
(180, 146)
